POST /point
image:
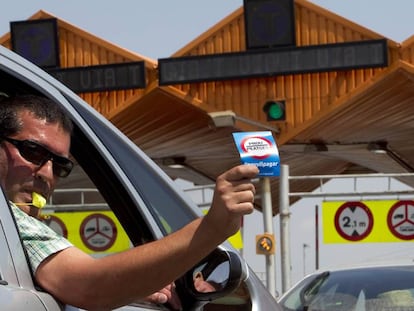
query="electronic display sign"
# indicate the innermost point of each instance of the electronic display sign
(273, 62)
(120, 76)
(37, 41)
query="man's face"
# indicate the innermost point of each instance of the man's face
(18, 176)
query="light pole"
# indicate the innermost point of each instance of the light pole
(304, 258)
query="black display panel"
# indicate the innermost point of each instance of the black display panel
(37, 41)
(269, 23)
(102, 77)
(273, 62)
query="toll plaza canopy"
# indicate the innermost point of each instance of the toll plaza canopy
(336, 120)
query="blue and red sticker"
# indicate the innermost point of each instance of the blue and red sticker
(259, 148)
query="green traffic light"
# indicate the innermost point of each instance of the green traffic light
(275, 110)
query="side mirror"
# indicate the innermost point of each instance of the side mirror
(216, 276)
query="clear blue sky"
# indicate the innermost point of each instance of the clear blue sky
(158, 28)
(155, 28)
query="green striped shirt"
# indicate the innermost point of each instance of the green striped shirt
(39, 240)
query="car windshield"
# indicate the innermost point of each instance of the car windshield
(362, 289)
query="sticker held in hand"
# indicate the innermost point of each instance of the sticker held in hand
(259, 148)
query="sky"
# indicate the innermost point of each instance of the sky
(158, 28)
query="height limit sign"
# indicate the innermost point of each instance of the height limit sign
(354, 221)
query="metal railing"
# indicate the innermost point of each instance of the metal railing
(201, 195)
(324, 178)
(75, 199)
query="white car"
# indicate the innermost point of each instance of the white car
(142, 197)
(370, 287)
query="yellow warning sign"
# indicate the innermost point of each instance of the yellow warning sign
(100, 231)
(235, 240)
(93, 232)
(368, 221)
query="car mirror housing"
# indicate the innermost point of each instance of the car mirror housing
(217, 275)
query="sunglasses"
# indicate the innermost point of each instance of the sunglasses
(39, 155)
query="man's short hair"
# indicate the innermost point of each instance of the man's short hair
(41, 107)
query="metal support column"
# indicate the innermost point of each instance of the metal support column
(284, 227)
(268, 227)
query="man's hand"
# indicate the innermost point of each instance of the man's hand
(166, 295)
(233, 197)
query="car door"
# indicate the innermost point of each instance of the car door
(95, 163)
(17, 290)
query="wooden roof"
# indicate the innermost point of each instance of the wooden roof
(344, 111)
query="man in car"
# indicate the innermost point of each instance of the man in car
(34, 149)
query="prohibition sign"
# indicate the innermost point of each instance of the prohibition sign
(354, 221)
(400, 220)
(57, 225)
(98, 232)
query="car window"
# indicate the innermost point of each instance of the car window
(112, 177)
(155, 188)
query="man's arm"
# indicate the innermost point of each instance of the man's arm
(76, 278)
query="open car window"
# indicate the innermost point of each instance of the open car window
(116, 196)
(151, 186)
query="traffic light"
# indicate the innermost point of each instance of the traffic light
(265, 244)
(275, 110)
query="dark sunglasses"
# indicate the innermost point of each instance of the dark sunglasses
(39, 155)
